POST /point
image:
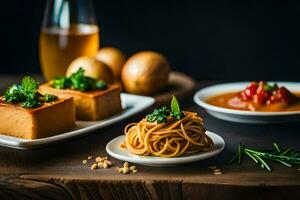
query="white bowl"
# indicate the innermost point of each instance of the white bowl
(242, 116)
(114, 149)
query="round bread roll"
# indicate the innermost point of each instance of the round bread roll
(145, 73)
(93, 68)
(113, 58)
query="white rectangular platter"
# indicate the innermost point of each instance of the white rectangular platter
(132, 104)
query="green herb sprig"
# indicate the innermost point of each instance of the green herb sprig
(78, 81)
(175, 109)
(48, 98)
(27, 94)
(270, 88)
(287, 157)
(160, 114)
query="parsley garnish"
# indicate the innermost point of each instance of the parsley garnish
(29, 85)
(78, 81)
(101, 85)
(61, 83)
(160, 114)
(13, 94)
(49, 97)
(27, 94)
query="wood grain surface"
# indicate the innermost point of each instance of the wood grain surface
(57, 172)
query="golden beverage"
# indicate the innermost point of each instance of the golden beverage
(59, 47)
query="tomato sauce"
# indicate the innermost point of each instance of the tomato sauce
(233, 101)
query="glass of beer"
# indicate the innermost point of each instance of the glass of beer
(69, 30)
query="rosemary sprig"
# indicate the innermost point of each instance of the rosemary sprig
(287, 157)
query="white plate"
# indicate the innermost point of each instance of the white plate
(113, 149)
(240, 115)
(131, 104)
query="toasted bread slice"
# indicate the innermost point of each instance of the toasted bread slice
(90, 105)
(47, 120)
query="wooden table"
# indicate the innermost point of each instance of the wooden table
(57, 172)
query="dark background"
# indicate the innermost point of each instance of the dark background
(209, 40)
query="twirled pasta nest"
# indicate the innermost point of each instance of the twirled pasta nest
(171, 139)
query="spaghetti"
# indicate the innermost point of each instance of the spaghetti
(171, 139)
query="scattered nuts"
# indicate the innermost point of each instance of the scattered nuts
(108, 162)
(100, 162)
(125, 170)
(105, 165)
(126, 164)
(120, 170)
(98, 159)
(218, 173)
(100, 165)
(94, 166)
(103, 159)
